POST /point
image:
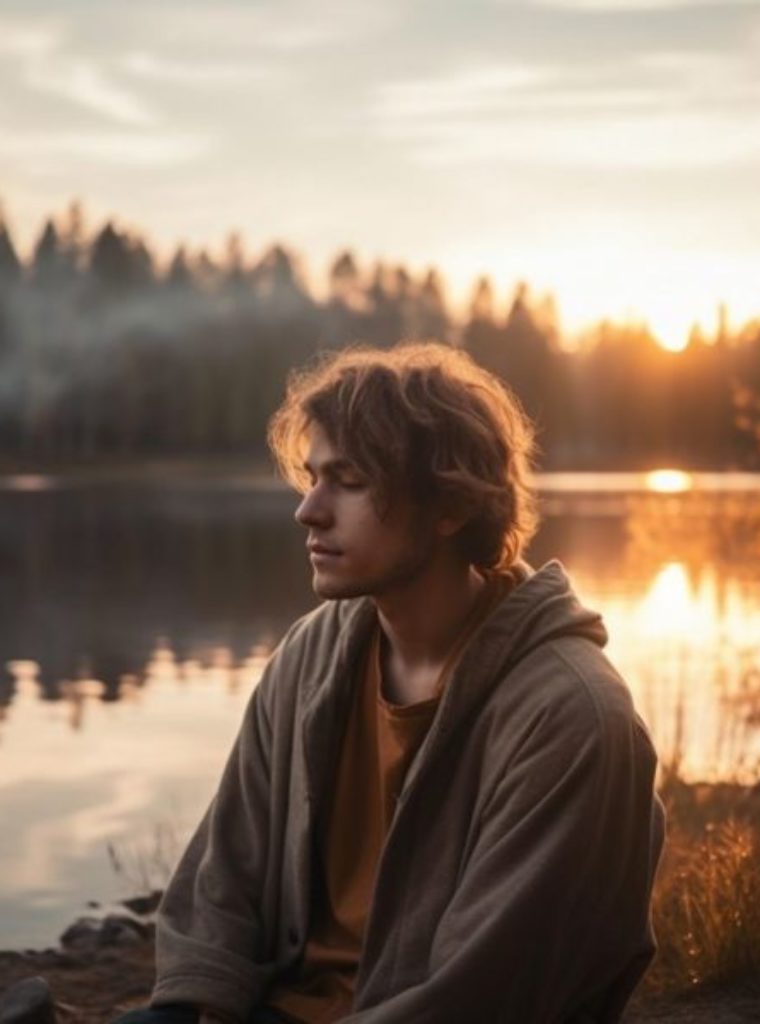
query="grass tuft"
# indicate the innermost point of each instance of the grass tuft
(706, 904)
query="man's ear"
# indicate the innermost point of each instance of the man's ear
(448, 526)
(451, 518)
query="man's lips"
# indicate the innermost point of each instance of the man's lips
(315, 548)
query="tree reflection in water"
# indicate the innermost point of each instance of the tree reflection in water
(216, 668)
(112, 592)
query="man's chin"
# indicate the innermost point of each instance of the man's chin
(334, 590)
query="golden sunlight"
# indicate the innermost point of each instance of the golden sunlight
(616, 273)
(688, 644)
(672, 341)
(669, 481)
(669, 320)
(671, 609)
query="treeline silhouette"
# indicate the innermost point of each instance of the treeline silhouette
(104, 353)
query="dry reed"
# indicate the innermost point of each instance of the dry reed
(706, 905)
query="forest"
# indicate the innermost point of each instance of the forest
(107, 352)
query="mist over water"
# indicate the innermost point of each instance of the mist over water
(71, 343)
(105, 355)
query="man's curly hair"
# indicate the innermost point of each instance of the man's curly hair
(421, 419)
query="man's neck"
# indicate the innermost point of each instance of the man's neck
(421, 623)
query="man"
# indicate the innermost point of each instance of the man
(439, 807)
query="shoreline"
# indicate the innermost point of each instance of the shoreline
(104, 966)
(256, 473)
(93, 988)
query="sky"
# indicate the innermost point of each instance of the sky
(607, 151)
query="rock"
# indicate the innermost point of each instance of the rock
(54, 958)
(121, 931)
(28, 1002)
(82, 934)
(91, 933)
(144, 904)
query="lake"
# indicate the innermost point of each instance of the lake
(137, 613)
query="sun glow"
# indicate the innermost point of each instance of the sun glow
(670, 328)
(669, 481)
(622, 278)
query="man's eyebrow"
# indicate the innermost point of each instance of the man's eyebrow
(338, 465)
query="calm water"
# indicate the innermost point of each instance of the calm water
(135, 619)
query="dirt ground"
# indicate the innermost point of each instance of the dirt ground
(734, 1007)
(88, 988)
(94, 988)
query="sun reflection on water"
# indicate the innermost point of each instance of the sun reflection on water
(669, 481)
(671, 609)
(689, 651)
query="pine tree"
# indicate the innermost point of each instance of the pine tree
(47, 259)
(10, 264)
(179, 274)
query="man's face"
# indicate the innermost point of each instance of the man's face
(352, 549)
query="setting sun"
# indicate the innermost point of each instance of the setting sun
(613, 273)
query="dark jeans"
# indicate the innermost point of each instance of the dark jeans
(181, 1013)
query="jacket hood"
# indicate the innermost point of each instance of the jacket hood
(541, 608)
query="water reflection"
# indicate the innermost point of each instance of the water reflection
(221, 574)
(669, 481)
(690, 651)
(134, 624)
(691, 639)
(700, 530)
(91, 576)
(215, 668)
(84, 779)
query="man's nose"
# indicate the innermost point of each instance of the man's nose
(313, 509)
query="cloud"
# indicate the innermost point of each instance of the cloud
(638, 5)
(703, 67)
(27, 40)
(702, 80)
(476, 89)
(653, 141)
(82, 82)
(117, 148)
(286, 28)
(499, 96)
(650, 77)
(292, 38)
(39, 60)
(145, 65)
(661, 108)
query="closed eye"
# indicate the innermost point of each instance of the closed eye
(338, 472)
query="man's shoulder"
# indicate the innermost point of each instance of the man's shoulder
(584, 670)
(585, 693)
(568, 687)
(325, 623)
(316, 642)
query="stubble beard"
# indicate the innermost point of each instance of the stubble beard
(416, 558)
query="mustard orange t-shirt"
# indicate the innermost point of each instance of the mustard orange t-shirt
(379, 744)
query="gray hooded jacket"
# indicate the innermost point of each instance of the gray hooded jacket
(515, 882)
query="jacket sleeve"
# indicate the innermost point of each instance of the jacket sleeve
(209, 931)
(552, 907)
